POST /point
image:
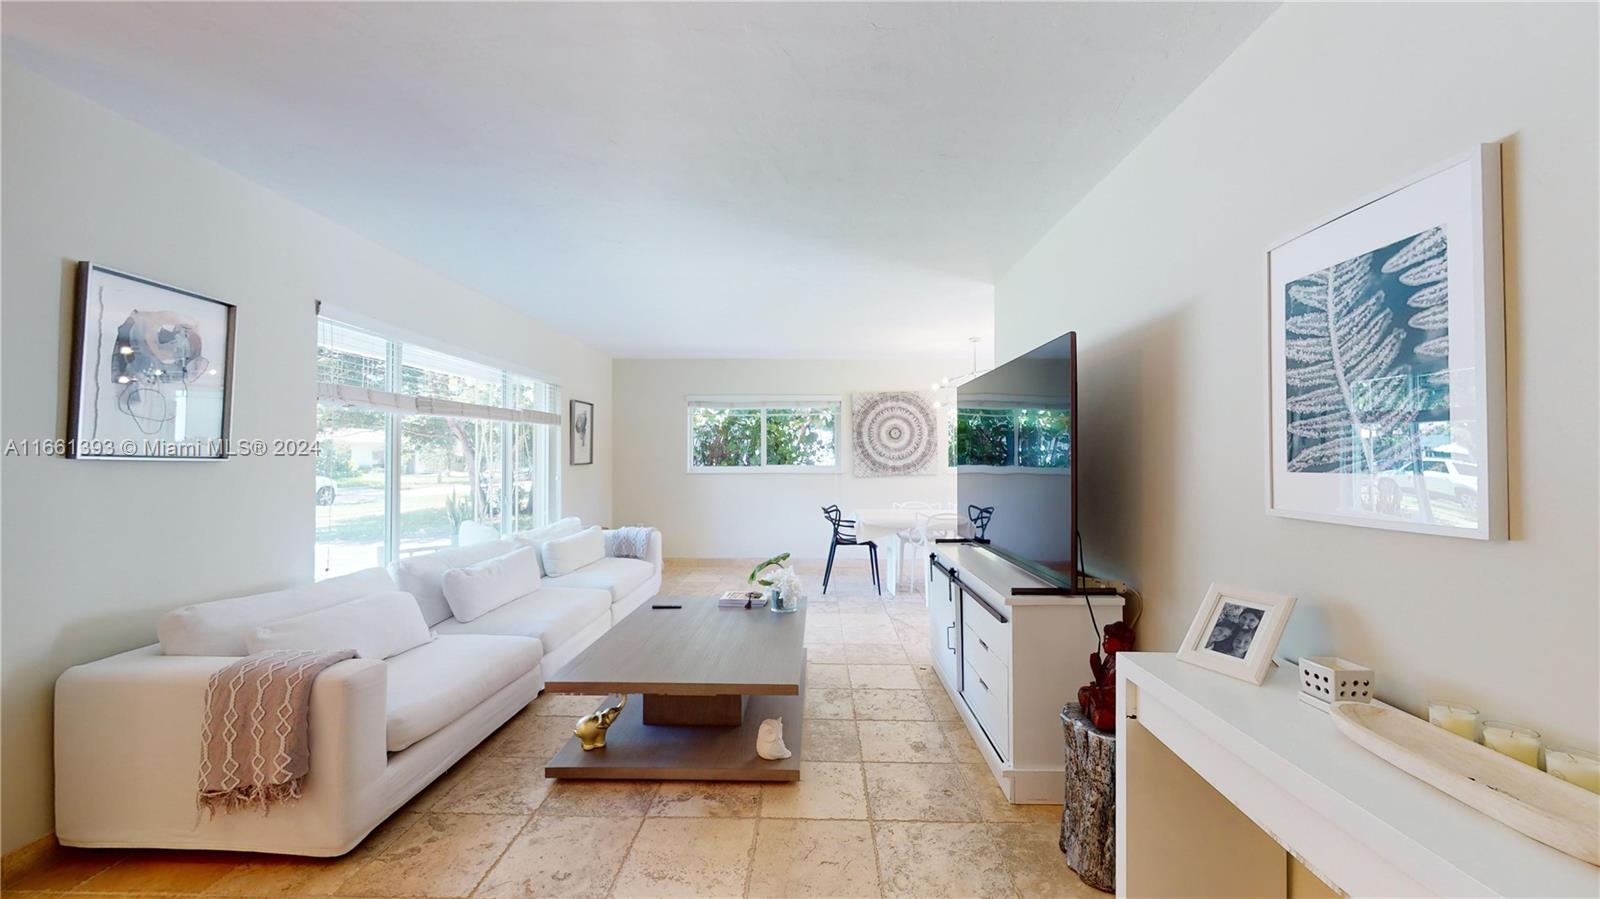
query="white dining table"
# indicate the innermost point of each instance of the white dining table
(883, 526)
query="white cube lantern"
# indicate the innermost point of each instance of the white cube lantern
(1329, 679)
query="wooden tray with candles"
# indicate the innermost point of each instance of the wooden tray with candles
(1546, 808)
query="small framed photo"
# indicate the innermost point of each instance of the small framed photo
(581, 416)
(1235, 632)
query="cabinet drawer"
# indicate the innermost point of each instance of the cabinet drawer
(984, 660)
(995, 634)
(987, 699)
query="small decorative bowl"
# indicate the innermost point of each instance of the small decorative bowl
(1330, 679)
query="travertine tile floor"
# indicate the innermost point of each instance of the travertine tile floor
(894, 800)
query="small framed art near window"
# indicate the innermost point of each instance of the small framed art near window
(1235, 632)
(582, 426)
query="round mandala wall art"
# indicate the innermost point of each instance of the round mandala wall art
(895, 433)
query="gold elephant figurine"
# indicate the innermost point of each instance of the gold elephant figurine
(591, 729)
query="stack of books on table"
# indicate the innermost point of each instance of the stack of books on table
(741, 599)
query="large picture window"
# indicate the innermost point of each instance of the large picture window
(764, 434)
(412, 443)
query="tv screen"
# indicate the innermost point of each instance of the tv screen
(1014, 452)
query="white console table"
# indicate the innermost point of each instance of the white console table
(1228, 789)
(1010, 662)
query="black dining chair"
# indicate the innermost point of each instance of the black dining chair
(979, 516)
(844, 534)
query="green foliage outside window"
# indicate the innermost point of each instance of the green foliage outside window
(801, 436)
(731, 438)
(726, 438)
(1001, 437)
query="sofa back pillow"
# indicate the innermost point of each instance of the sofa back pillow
(376, 627)
(538, 537)
(221, 627)
(565, 555)
(423, 576)
(482, 587)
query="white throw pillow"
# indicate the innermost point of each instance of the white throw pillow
(477, 589)
(423, 575)
(376, 627)
(567, 554)
(538, 537)
(222, 627)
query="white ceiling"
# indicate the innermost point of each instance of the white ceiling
(827, 180)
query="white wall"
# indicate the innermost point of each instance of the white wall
(94, 552)
(749, 515)
(1161, 270)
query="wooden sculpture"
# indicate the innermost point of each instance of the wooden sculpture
(1099, 699)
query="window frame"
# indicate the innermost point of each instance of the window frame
(512, 382)
(764, 403)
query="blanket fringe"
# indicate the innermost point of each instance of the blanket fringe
(245, 796)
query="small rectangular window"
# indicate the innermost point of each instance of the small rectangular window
(763, 434)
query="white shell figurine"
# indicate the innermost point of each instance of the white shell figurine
(769, 740)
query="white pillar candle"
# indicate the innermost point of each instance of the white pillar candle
(1519, 743)
(1458, 719)
(1574, 766)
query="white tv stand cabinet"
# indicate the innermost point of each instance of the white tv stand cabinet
(1010, 661)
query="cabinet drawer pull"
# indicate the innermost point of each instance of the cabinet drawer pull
(983, 644)
(983, 685)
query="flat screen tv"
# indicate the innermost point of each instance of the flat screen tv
(1015, 454)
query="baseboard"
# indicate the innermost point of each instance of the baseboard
(24, 860)
(1038, 786)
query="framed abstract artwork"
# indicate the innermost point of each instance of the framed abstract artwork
(581, 427)
(895, 433)
(152, 370)
(1387, 360)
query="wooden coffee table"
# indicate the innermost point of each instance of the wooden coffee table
(700, 680)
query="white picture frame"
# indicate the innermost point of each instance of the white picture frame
(1410, 435)
(1241, 646)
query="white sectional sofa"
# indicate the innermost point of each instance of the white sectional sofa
(128, 728)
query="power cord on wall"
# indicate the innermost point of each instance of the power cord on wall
(1080, 579)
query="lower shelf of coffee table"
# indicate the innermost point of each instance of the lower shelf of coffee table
(638, 751)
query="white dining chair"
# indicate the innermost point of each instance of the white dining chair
(931, 526)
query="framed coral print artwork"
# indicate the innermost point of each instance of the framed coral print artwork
(1387, 355)
(152, 370)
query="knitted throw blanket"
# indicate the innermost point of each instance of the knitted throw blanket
(629, 542)
(256, 739)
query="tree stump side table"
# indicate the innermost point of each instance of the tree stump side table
(1089, 811)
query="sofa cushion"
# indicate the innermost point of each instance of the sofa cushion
(538, 537)
(488, 585)
(619, 577)
(221, 627)
(565, 555)
(438, 682)
(552, 614)
(376, 627)
(422, 576)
